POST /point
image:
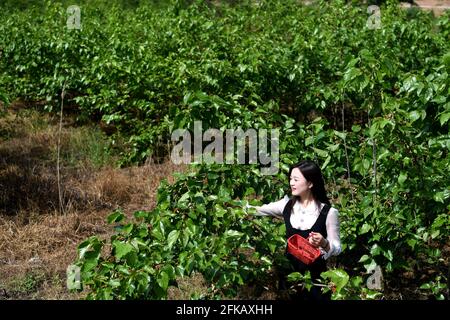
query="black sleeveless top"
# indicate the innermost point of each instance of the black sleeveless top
(319, 226)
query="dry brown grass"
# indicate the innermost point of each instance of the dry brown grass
(45, 247)
(37, 243)
(46, 243)
(187, 288)
(134, 188)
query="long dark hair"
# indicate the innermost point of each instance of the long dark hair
(313, 174)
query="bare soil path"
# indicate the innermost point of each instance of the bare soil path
(437, 6)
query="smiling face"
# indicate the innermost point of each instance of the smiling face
(299, 185)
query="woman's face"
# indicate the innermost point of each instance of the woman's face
(299, 185)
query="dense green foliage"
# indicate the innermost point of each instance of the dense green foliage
(371, 106)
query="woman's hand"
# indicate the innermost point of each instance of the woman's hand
(317, 240)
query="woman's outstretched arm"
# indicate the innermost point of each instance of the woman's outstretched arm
(274, 209)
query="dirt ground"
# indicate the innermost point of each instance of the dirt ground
(437, 6)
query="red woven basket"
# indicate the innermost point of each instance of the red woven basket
(300, 248)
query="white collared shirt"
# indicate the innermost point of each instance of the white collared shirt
(304, 219)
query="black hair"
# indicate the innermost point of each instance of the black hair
(313, 174)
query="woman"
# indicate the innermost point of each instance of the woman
(308, 213)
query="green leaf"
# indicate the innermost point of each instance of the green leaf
(435, 234)
(414, 115)
(339, 277)
(172, 238)
(371, 265)
(364, 258)
(294, 276)
(233, 233)
(89, 248)
(441, 196)
(141, 214)
(89, 264)
(321, 153)
(309, 140)
(83, 248)
(409, 84)
(199, 198)
(365, 228)
(351, 74)
(162, 228)
(353, 63)
(224, 194)
(116, 216)
(249, 191)
(374, 129)
(126, 229)
(425, 286)
(388, 254)
(333, 147)
(444, 117)
(402, 178)
(375, 250)
(372, 295)
(440, 99)
(169, 270)
(267, 260)
(219, 211)
(163, 280)
(446, 59)
(341, 135)
(180, 271)
(366, 164)
(184, 198)
(4, 98)
(201, 209)
(121, 249)
(327, 161)
(272, 247)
